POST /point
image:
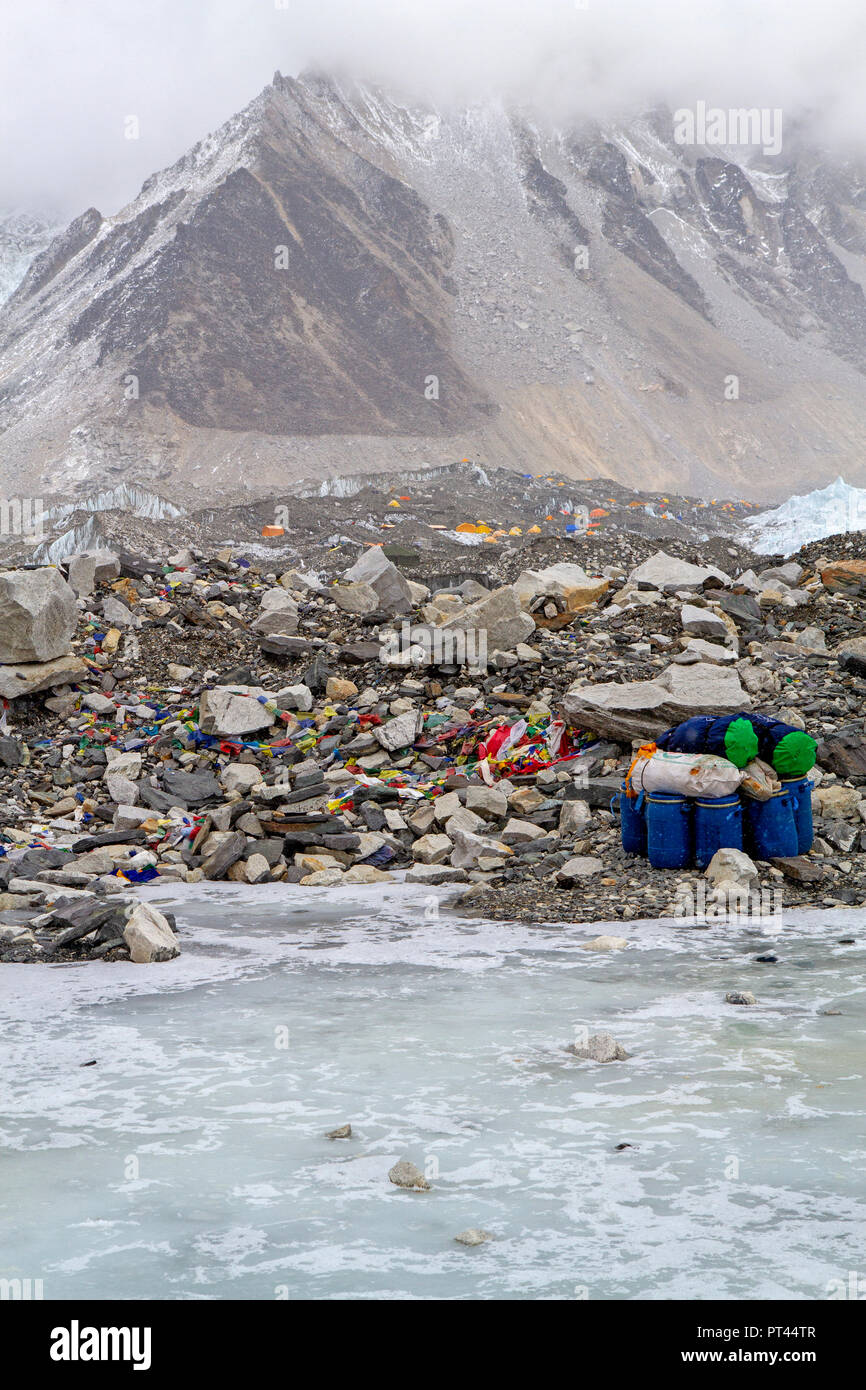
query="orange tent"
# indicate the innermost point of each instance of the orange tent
(273, 530)
(599, 511)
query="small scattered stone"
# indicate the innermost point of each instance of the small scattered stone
(473, 1235)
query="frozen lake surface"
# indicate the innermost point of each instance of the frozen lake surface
(190, 1161)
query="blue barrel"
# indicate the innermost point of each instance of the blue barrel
(669, 830)
(718, 825)
(632, 822)
(800, 790)
(770, 829)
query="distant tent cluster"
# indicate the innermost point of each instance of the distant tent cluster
(490, 533)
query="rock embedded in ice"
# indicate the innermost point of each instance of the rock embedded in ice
(433, 874)
(740, 996)
(600, 1047)
(473, 1235)
(149, 936)
(405, 1174)
(341, 1132)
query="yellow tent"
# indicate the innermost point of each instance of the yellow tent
(393, 503)
(467, 528)
(515, 531)
(534, 531)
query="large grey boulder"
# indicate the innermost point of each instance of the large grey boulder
(107, 564)
(566, 581)
(81, 572)
(91, 567)
(643, 709)
(703, 622)
(38, 615)
(731, 866)
(432, 849)
(472, 851)
(149, 936)
(240, 777)
(399, 732)
(666, 572)
(489, 802)
(117, 613)
(789, 574)
(295, 697)
(224, 712)
(499, 618)
(391, 587)
(278, 613)
(354, 598)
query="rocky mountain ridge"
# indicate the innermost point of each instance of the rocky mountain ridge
(335, 282)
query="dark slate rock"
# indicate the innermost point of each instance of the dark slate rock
(193, 787)
(157, 800)
(217, 863)
(10, 752)
(107, 837)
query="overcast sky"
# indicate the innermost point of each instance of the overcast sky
(72, 71)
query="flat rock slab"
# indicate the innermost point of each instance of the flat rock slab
(799, 869)
(667, 573)
(28, 677)
(644, 709)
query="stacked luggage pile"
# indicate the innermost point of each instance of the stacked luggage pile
(736, 782)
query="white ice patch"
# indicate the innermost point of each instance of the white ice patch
(827, 511)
